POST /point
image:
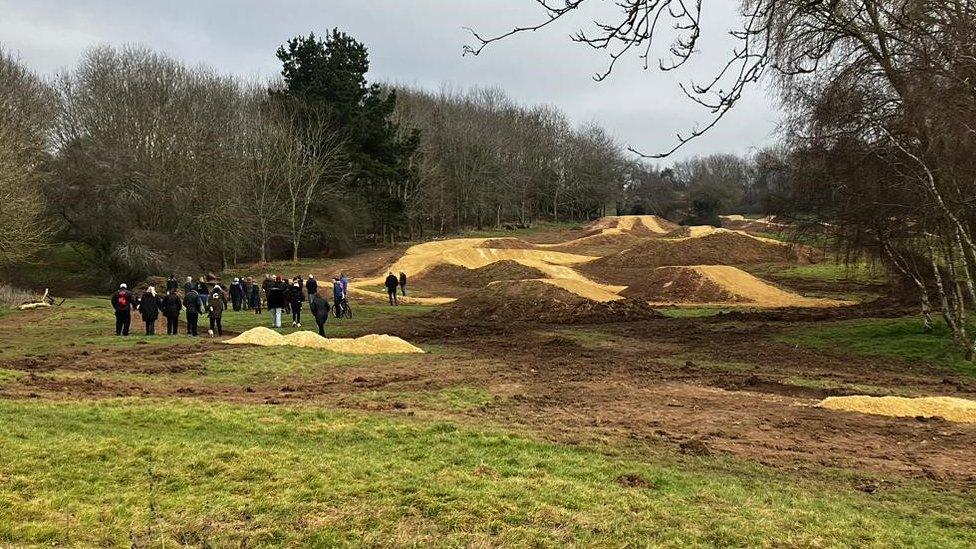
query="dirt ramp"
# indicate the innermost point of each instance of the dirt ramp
(716, 285)
(509, 243)
(637, 223)
(543, 301)
(455, 280)
(716, 247)
(949, 408)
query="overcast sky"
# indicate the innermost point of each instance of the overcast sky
(414, 42)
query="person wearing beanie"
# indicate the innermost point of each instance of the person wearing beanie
(122, 303)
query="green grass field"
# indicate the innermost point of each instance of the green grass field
(901, 338)
(162, 473)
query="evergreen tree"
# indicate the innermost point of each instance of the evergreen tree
(328, 75)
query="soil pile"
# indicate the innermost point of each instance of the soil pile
(949, 408)
(716, 285)
(454, 280)
(509, 243)
(716, 247)
(545, 301)
(372, 344)
(637, 223)
(619, 230)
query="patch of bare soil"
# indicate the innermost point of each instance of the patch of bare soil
(539, 301)
(456, 281)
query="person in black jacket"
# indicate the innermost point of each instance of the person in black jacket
(122, 303)
(216, 304)
(171, 310)
(172, 284)
(149, 309)
(192, 303)
(236, 294)
(295, 300)
(320, 310)
(276, 300)
(312, 286)
(391, 288)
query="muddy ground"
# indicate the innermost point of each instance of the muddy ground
(719, 385)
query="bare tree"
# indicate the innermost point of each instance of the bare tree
(26, 114)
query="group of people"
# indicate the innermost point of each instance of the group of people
(394, 282)
(210, 298)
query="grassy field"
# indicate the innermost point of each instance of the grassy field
(88, 323)
(901, 338)
(156, 473)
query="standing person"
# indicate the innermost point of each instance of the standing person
(171, 284)
(255, 298)
(236, 294)
(391, 288)
(320, 310)
(344, 280)
(216, 304)
(338, 297)
(312, 286)
(188, 285)
(403, 283)
(276, 301)
(203, 291)
(149, 309)
(192, 303)
(295, 300)
(246, 293)
(122, 303)
(172, 305)
(266, 285)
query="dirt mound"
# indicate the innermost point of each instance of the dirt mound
(714, 248)
(637, 223)
(949, 408)
(716, 284)
(545, 301)
(508, 243)
(455, 280)
(372, 344)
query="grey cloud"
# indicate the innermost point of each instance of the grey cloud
(411, 42)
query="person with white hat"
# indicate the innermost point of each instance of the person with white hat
(122, 303)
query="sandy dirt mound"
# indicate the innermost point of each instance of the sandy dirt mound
(718, 247)
(701, 231)
(372, 344)
(509, 243)
(545, 301)
(949, 408)
(638, 223)
(454, 280)
(719, 285)
(742, 223)
(619, 230)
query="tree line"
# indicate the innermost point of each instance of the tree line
(146, 165)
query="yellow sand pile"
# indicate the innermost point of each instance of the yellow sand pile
(372, 344)
(953, 409)
(699, 231)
